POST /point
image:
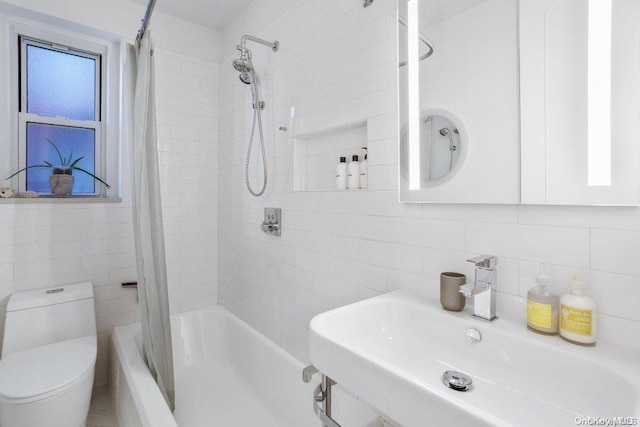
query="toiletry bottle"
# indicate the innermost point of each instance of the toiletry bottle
(364, 171)
(578, 314)
(354, 173)
(341, 174)
(542, 305)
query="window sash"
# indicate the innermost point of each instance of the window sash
(25, 118)
(27, 41)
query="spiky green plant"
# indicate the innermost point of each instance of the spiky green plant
(66, 163)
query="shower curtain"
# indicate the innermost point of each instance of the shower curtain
(147, 227)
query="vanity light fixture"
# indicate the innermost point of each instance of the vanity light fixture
(413, 48)
(599, 93)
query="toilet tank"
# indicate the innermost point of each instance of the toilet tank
(46, 316)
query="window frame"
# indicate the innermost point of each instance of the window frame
(109, 133)
(24, 118)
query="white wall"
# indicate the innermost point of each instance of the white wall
(53, 243)
(337, 64)
(122, 17)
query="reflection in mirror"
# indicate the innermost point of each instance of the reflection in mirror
(441, 147)
(458, 101)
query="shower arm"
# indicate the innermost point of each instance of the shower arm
(243, 43)
(422, 38)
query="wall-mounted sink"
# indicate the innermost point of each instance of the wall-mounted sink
(392, 351)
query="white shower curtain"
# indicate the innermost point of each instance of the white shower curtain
(147, 227)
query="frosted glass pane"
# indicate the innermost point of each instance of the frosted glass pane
(80, 140)
(60, 84)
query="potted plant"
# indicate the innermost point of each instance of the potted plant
(61, 179)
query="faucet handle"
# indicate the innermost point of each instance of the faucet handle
(485, 261)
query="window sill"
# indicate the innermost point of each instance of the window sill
(51, 199)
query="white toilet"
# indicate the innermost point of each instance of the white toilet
(48, 357)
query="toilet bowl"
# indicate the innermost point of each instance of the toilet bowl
(48, 357)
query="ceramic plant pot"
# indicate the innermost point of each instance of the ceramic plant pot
(61, 184)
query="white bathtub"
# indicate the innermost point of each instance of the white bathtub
(227, 374)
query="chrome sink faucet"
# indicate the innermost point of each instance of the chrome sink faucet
(483, 289)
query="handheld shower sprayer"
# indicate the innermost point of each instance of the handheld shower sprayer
(244, 65)
(446, 132)
(452, 144)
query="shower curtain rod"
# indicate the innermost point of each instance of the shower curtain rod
(146, 19)
(422, 38)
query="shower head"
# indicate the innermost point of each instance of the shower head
(245, 78)
(367, 3)
(243, 64)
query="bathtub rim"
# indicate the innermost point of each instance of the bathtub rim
(150, 406)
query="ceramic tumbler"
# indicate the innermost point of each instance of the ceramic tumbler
(450, 296)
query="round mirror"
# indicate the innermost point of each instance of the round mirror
(442, 147)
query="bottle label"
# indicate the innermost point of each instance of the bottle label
(575, 320)
(539, 314)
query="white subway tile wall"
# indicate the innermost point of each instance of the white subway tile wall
(336, 65)
(51, 244)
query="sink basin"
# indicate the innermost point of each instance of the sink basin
(392, 350)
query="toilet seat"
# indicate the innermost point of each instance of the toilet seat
(43, 372)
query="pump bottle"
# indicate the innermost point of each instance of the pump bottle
(578, 314)
(542, 305)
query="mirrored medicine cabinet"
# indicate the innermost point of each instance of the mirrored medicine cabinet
(519, 101)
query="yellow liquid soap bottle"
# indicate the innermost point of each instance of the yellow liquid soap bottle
(542, 305)
(578, 314)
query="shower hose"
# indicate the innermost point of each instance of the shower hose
(257, 118)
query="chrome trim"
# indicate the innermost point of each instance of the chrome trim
(483, 288)
(457, 381)
(308, 372)
(324, 395)
(243, 42)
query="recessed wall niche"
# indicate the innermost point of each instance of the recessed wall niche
(316, 155)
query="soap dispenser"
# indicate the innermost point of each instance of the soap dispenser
(578, 314)
(542, 305)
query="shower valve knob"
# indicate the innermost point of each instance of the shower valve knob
(270, 227)
(272, 221)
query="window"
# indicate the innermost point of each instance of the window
(67, 84)
(60, 103)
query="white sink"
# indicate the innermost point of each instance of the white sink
(392, 350)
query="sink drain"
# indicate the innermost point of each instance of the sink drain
(457, 381)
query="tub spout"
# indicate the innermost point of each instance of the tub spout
(308, 372)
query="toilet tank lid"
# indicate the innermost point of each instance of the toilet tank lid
(49, 296)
